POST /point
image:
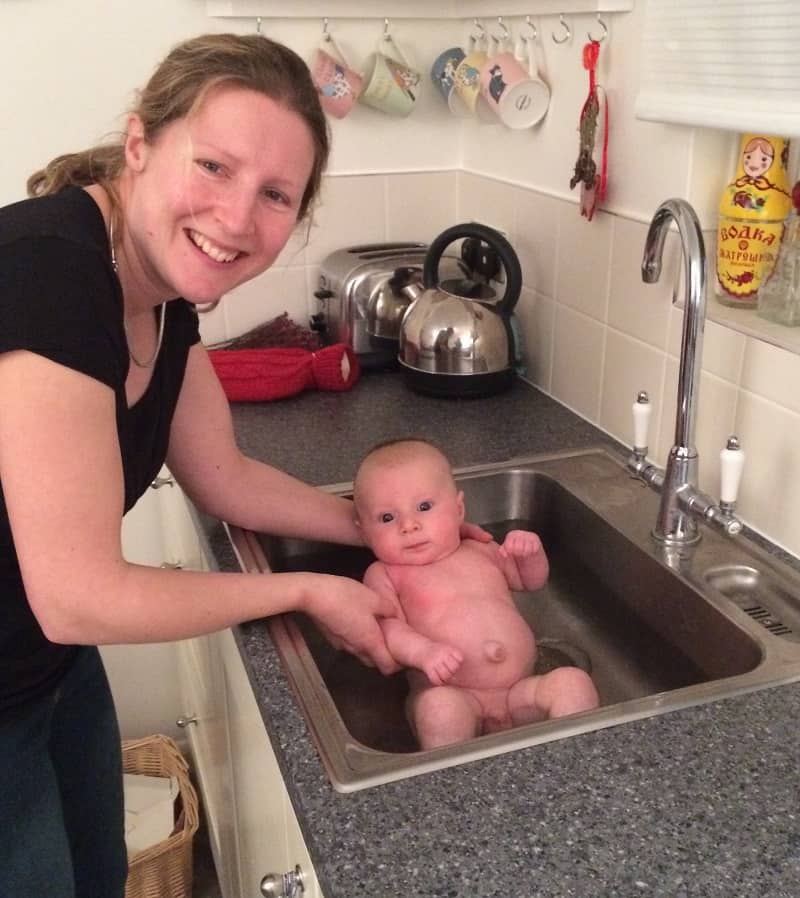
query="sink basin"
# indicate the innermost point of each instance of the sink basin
(657, 628)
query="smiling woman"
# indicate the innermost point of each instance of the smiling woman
(222, 155)
(212, 200)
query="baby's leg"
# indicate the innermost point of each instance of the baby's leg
(565, 690)
(442, 715)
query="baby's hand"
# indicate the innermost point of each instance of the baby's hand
(440, 662)
(520, 544)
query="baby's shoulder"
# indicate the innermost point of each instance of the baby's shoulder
(476, 546)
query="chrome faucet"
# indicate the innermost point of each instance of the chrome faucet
(681, 500)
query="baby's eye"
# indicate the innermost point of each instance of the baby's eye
(386, 518)
(425, 506)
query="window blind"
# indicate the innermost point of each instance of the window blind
(731, 64)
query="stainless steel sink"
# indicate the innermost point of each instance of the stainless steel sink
(658, 628)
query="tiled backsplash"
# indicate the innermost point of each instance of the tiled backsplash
(594, 333)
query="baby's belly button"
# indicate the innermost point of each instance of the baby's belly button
(495, 651)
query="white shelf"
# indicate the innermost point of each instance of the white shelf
(747, 321)
(408, 9)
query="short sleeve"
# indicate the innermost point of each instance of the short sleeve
(60, 299)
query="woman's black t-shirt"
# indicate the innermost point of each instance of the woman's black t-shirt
(60, 298)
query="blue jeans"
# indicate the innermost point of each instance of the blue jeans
(61, 804)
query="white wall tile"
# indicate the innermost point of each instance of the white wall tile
(352, 210)
(488, 201)
(630, 366)
(770, 490)
(723, 349)
(536, 239)
(584, 251)
(772, 373)
(536, 316)
(635, 308)
(276, 291)
(578, 361)
(420, 206)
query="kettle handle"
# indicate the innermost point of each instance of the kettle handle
(511, 266)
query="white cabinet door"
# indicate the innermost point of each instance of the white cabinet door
(268, 836)
(157, 530)
(142, 537)
(182, 547)
(203, 702)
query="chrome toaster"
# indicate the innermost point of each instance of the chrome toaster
(362, 292)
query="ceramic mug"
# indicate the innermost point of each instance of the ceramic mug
(468, 100)
(391, 85)
(337, 84)
(443, 75)
(515, 93)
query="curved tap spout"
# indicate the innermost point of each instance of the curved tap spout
(694, 313)
(675, 524)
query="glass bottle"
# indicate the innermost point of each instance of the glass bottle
(779, 295)
(752, 210)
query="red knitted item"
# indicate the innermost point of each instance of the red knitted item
(256, 375)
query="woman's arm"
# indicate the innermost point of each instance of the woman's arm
(226, 484)
(62, 480)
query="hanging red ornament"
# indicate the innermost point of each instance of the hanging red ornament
(593, 130)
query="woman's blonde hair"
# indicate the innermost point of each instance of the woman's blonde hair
(177, 88)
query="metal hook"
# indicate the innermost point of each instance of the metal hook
(506, 35)
(533, 28)
(386, 35)
(325, 34)
(481, 30)
(258, 24)
(476, 40)
(567, 29)
(603, 25)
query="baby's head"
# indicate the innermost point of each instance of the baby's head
(408, 507)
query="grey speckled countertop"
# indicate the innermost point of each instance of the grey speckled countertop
(699, 803)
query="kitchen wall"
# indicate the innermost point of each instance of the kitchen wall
(594, 333)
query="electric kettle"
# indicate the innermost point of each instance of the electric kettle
(456, 337)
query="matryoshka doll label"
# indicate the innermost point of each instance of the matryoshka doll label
(752, 211)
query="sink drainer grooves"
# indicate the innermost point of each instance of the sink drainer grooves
(767, 620)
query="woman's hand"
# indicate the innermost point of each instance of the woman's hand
(475, 531)
(346, 612)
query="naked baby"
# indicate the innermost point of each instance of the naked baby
(470, 653)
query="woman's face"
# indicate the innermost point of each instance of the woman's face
(212, 200)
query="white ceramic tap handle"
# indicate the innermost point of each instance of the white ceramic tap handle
(731, 460)
(641, 420)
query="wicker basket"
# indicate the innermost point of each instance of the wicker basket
(163, 870)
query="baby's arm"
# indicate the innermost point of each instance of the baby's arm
(408, 647)
(526, 565)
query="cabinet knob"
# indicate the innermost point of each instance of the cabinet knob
(184, 722)
(283, 885)
(172, 565)
(162, 481)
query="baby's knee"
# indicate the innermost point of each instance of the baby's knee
(443, 714)
(570, 690)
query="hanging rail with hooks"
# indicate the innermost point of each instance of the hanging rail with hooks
(413, 9)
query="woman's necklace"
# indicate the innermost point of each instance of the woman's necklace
(152, 360)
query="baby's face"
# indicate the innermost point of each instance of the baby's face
(410, 513)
